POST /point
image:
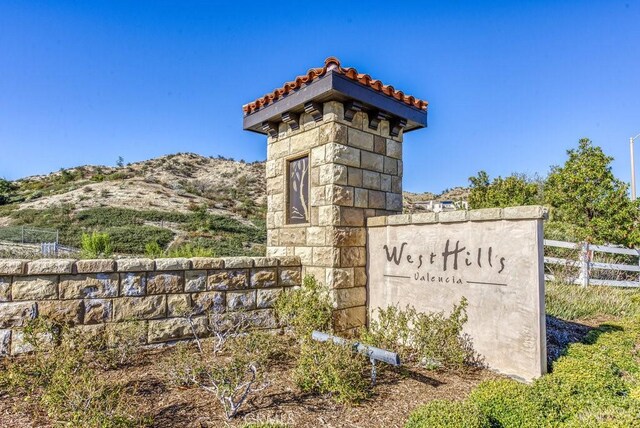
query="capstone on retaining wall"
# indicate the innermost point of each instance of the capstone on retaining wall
(102, 294)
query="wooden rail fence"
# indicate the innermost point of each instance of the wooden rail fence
(586, 264)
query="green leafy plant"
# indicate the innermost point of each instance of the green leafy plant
(596, 383)
(516, 189)
(153, 249)
(328, 368)
(584, 193)
(96, 245)
(190, 250)
(445, 414)
(321, 367)
(306, 308)
(7, 191)
(430, 339)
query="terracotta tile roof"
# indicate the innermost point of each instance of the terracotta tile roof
(332, 63)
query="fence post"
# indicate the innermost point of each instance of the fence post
(638, 251)
(22, 238)
(584, 265)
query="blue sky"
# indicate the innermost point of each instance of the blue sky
(511, 85)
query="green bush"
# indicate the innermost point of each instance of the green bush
(327, 368)
(324, 368)
(305, 309)
(430, 339)
(445, 414)
(96, 245)
(130, 231)
(595, 384)
(153, 249)
(132, 239)
(507, 403)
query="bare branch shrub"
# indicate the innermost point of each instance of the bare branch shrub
(230, 364)
(60, 376)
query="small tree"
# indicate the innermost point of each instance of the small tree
(585, 194)
(7, 189)
(514, 190)
(120, 162)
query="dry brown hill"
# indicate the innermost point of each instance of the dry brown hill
(169, 183)
(172, 200)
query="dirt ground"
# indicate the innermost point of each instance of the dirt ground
(395, 396)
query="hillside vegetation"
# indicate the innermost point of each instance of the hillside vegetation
(176, 201)
(171, 201)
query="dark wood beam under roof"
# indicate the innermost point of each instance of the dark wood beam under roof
(334, 83)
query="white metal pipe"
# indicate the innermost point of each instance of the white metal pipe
(633, 170)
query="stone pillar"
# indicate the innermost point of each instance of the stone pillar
(355, 172)
(330, 136)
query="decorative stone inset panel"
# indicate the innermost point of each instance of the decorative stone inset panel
(298, 191)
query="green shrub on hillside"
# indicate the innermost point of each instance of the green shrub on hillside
(132, 239)
(110, 216)
(130, 230)
(96, 245)
(190, 250)
(7, 191)
(153, 250)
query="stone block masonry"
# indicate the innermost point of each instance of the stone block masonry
(94, 294)
(355, 173)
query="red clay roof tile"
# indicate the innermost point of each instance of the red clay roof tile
(332, 63)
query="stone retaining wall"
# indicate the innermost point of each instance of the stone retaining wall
(101, 294)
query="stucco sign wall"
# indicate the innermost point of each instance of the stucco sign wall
(494, 258)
